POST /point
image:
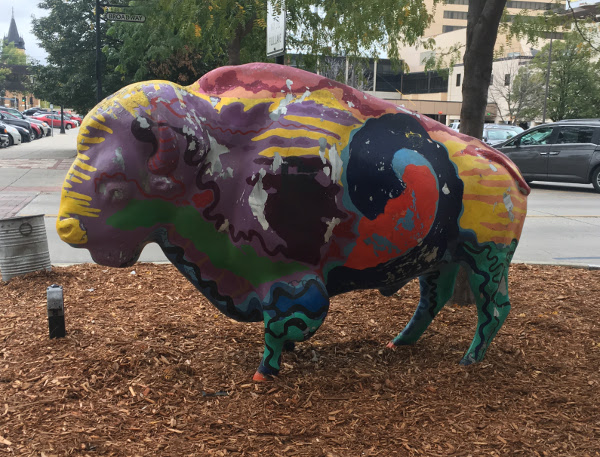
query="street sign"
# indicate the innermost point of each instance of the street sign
(275, 29)
(124, 17)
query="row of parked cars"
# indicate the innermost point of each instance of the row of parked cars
(563, 151)
(18, 127)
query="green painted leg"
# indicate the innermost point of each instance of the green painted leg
(436, 290)
(488, 279)
(294, 315)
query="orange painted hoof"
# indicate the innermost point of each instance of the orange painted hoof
(259, 377)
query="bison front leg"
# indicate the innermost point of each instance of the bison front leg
(293, 314)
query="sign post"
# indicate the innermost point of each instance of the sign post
(276, 30)
(124, 17)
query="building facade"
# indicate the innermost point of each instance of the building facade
(452, 15)
(14, 93)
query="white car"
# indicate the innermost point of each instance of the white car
(14, 137)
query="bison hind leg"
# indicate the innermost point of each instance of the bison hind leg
(436, 289)
(294, 314)
(388, 291)
(488, 279)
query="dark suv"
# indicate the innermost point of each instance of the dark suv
(564, 151)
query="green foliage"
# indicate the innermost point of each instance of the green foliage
(574, 88)
(4, 72)
(10, 55)
(347, 27)
(68, 35)
(183, 39)
(13, 67)
(207, 34)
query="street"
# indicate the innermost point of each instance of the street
(562, 226)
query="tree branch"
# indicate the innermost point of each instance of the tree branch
(576, 21)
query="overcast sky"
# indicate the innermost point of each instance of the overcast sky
(24, 10)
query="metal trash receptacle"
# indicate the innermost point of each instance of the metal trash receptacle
(23, 246)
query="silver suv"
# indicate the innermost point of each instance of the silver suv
(565, 151)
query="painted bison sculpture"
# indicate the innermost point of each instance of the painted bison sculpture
(273, 189)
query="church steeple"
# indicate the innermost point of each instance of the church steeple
(13, 34)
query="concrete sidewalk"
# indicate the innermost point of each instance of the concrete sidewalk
(31, 177)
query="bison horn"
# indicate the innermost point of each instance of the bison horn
(166, 157)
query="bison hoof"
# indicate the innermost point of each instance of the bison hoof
(467, 360)
(259, 377)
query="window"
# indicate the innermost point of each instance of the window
(458, 80)
(455, 15)
(530, 5)
(500, 134)
(507, 79)
(575, 135)
(537, 137)
(450, 28)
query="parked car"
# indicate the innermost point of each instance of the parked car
(565, 151)
(44, 127)
(70, 118)
(76, 117)
(35, 131)
(54, 120)
(26, 135)
(32, 111)
(14, 137)
(494, 134)
(3, 139)
(6, 118)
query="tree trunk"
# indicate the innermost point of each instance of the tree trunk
(235, 45)
(483, 20)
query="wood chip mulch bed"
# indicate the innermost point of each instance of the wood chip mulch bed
(150, 368)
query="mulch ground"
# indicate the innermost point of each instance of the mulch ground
(150, 368)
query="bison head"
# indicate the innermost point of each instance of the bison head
(136, 153)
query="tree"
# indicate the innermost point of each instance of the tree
(574, 89)
(355, 70)
(521, 99)
(13, 67)
(68, 36)
(483, 21)
(230, 31)
(10, 55)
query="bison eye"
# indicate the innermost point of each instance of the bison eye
(115, 191)
(116, 195)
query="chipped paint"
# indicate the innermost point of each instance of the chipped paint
(258, 200)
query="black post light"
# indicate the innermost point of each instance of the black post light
(56, 311)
